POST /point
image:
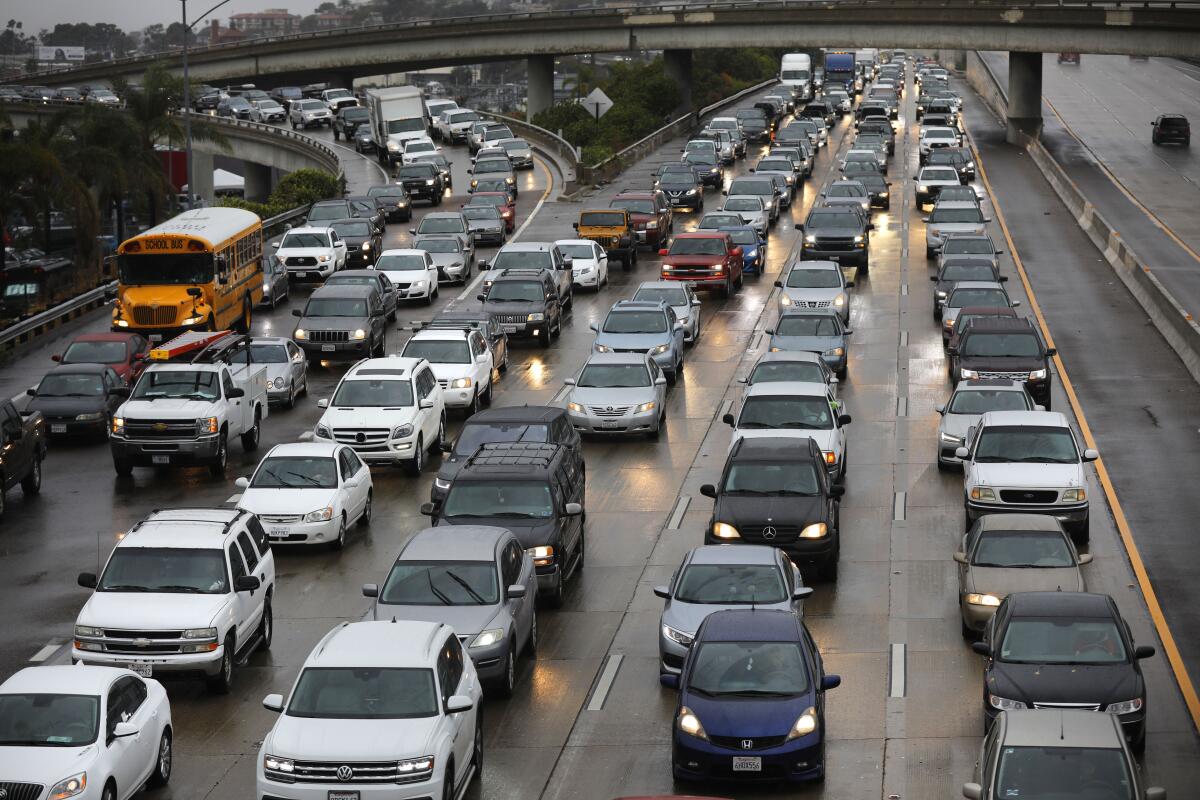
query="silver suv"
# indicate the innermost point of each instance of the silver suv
(641, 326)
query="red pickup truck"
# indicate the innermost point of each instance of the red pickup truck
(706, 259)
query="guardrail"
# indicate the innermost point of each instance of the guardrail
(333, 162)
(556, 146)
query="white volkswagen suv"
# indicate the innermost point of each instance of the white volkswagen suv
(389, 410)
(461, 361)
(379, 710)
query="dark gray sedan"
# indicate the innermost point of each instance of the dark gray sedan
(484, 223)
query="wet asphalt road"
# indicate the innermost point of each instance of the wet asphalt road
(896, 585)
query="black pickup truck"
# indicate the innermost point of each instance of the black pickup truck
(23, 435)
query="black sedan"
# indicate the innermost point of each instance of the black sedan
(363, 241)
(393, 201)
(78, 399)
(1064, 650)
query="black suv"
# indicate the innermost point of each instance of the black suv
(363, 241)
(540, 424)
(955, 157)
(840, 234)
(423, 180)
(332, 319)
(775, 490)
(682, 187)
(347, 121)
(755, 125)
(525, 303)
(1006, 349)
(392, 200)
(537, 492)
(323, 212)
(1172, 128)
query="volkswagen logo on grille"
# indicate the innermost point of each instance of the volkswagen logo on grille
(360, 438)
(747, 744)
(3, 793)
(769, 532)
(345, 774)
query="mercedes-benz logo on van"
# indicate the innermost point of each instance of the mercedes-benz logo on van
(769, 532)
(345, 774)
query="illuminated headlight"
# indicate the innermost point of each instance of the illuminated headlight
(784, 300)
(644, 407)
(393, 146)
(689, 192)
(722, 530)
(576, 407)
(488, 638)
(982, 493)
(1037, 375)
(883, 194)
(121, 323)
(837, 352)
(401, 431)
(197, 320)
(320, 515)
(941, 294)
(1127, 707)
(858, 239)
(679, 637)
(948, 439)
(602, 348)
(429, 182)
(806, 724)
(810, 238)
(989, 600)
(460, 383)
(510, 180)
(536, 317)
(322, 432)
(662, 348)
(839, 301)
(865, 204)
(358, 335)
(689, 723)
(1004, 704)
(1074, 495)
(92, 417)
(206, 425)
(815, 531)
(652, 224)
(968, 374)
(69, 787)
(949, 323)
(322, 258)
(543, 555)
(276, 764)
(712, 171)
(402, 204)
(366, 246)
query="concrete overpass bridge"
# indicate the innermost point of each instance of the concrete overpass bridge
(1149, 27)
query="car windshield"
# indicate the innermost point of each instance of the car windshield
(613, 376)
(462, 116)
(492, 165)
(778, 371)
(988, 298)
(972, 215)
(296, 472)
(939, 175)
(401, 263)
(504, 500)
(635, 322)
(473, 436)
(352, 228)
(296, 240)
(95, 353)
(491, 185)
(635, 206)
(441, 583)
(845, 191)
(373, 393)
(1022, 549)
(731, 584)
(741, 237)
(601, 219)
(177, 384)
(1062, 640)
(410, 171)
(269, 354)
(1063, 773)
(783, 411)
(439, 351)
(968, 272)
(749, 668)
(517, 291)
(1000, 345)
(981, 401)
(523, 259)
(772, 479)
(978, 246)
(807, 325)
(494, 200)
(481, 212)
(165, 569)
(157, 269)
(68, 384)
(364, 693)
(671, 295)
(442, 245)
(433, 224)
(712, 222)
(334, 211)
(827, 222)
(409, 125)
(800, 278)
(743, 204)
(583, 251)
(774, 165)
(698, 247)
(48, 720)
(702, 159)
(335, 307)
(1003, 443)
(420, 147)
(756, 186)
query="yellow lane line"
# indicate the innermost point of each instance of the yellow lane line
(1139, 569)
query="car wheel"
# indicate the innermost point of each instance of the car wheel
(448, 783)
(558, 596)
(250, 437)
(829, 569)
(339, 542)
(841, 373)
(1082, 534)
(161, 775)
(123, 466)
(473, 409)
(109, 793)
(222, 682)
(217, 468)
(504, 363)
(417, 462)
(31, 484)
(532, 645)
(364, 519)
(487, 393)
(1138, 745)
(508, 680)
(441, 434)
(291, 398)
(266, 628)
(477, 747)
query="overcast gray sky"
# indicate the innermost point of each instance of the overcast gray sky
(129, 14)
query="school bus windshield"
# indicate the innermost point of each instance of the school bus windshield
(165, 268)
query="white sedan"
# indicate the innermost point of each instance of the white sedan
(87, 733)
(309, 493)
(589, 262)
(413, 273)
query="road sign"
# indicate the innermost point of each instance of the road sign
(597, 103)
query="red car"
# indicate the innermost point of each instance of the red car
(124, 352)
(706, 259)
(651, 213)
(502, 201)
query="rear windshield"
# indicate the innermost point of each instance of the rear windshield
(989, 298)
(804, 325)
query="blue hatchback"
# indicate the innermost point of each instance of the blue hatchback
(751, 701)
(754, 247)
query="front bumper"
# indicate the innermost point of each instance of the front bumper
(644, 422)
(976, 617)
(182, 452)
(207, 664)
(589, 278)
(74, 427)
(267, 789)
(336, 351)
(393, 451)
(815, 252)
(800, 551)
(493, 235)
(301, 532)
(459, 398)
(454, 272)
(798, 760)
(1068, 514)
(317, 272)
(489, 661)
(688, 202)
(710, 280)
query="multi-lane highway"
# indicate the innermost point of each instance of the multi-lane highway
(907, 719)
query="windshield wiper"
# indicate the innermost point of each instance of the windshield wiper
(1041, 460)
(466, 587)
(34, 743)
(436, 593)
(758, 693)
(804, 425)
(311, 480)
(753, 425)
(124, 587)
(513, 515)
(179, 587)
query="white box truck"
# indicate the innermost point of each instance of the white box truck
(397, 115)
(795, 72)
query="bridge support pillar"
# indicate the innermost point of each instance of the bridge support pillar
(540, 72)
(1024, 96)
(202, 172)
(958, 60)
(678, 66)
(258, 181)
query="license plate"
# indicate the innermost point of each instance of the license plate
(160, 459)
(747, 763)
(278, 533)
(511, 328)
(608, 425)
(327, 348)
(343, 796)
(145, 670)
(58, 428)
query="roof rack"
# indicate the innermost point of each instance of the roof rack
(538, 454)
(452, 325)
(521, 272)
(237, 515)
(201, 347)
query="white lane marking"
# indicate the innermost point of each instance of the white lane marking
(604, 685)
(560, 395)
(233, 498)
(904, 338)
(896, 683)
(681, 507)
(901, 406)
(306, 436)
(904, 289)
(898, 507)
(48, 650)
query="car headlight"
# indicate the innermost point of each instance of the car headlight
(652, 224)
(323, 259)
(359, 334)
(922, 188)
(299, 333)
(883, 194)
(199, 633)
(276, 764)
(543, 555)
(576, 407)
(831, 458)
(941, 294)
(429, 181)
(858, 239)
(366, 246)
(487, 638)
(644, 407)
(722, 530)
(87, 630)
(839, 301)
(689, 723)
(810, 238)
(207, 425)
(1037, 375)
(662, 348)
(438, 483)
(401, 431)
(974, 599)
(69, 787)
(461, 383)
(393, 146)
(968, 374)
(784, 300)
(1074, 495)
(982, 493)
(197, 320)
(92, 417)
(322, 432)
(320, 515)
(603, 348)
(949, 322)
(122, 323)
(677, 636)
(1003, 703)
(419, 285)
(690, 192)
(948, 439)
(837, 352)
(806, 724)
(815, 531)
(1126, 707)
(414, 766)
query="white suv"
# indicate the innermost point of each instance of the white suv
(184, 591)
(461, 361)
(384, 709)
(420, 146)
(795, 409)
(389, 410)
(1027, 462)
(311, 253)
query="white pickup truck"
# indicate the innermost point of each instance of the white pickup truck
(200, 390)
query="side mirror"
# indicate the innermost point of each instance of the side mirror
(960, 557)
(662, 591)
(1143, 651)
(480, 297)
(801, 592)
(274, 245)
(575, 225)
(708, 490)
(661, 380)
(669, 681)
(728, 420)
(246, 583)
(925, 219)
(951, 351)
(426, 403)
(297, 312)
(459, 703)
(981, 648)
(516, 591)
(678, 326)
(830, 682)
(737, 251)
(481, 358)
(1051, 351)
(933, 278)
(593, 327)
(1156, 793)
(844, 419)
(972, 791)
(242, 483)
(962, 452)
(426, 509)
(447, 447)
(568, 381)
(1085, 558)
(941, 409)
(236, 392)
(370, 590)
(323, 402)
(123, 730)
(696, 302)
(849, 284)
(412, 231)
(1091, 454)
(662, 251)
(837, 490)
(31, 392)
(273, 702)
(195, 291)
(799, 226)
(572, 509)
(1003, 279)
(87, 580)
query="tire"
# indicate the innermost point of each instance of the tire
(291, 400)
(222, 682)
(531, 646)
(448, 783)
(504, 363)
(829, 570)
(582, 550)
(380, 348)
(544, 337)
(161, 775)
(31, 484)
(413, 465)
(109, 793)
(1082, 534)
(218, 467)
(339, 542)
(508, 681)
(477, 747)
(364, 519)
(557, 599)
(123, 466)
(473, 409)
(487, 395)
(250, 438)
(243, 325)
(441, 435)
(841, 373)
(266, 628)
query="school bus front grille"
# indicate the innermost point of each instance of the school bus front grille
(154, 315)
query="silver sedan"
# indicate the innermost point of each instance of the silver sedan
(287, 368)
(618, 393)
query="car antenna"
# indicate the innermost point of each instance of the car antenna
(393, 619)
(1061, 733)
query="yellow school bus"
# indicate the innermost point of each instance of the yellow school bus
(201, 270)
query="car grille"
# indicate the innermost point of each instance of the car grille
(737, 742)
(609, 411)
(21, 791)
(360, 771)
(1026, 496)
(329, 336)
(1006, 376)
(1079, 706)
(840, 243)
(141, 643)
(362, 438)
(160, 429)
(154, 315)
(300, 261)
(631, 349)
(811, 303)
(603, 239)
(279, 519)
(763, 533)
(512, 319)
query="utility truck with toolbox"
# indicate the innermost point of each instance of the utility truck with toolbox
(398, 114)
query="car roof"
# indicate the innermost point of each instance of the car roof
(103, 337)
(270, 340)
(1019, 522)
(638, 305)
(978, 285)
(309, 229)
(616, 358)
(351, 291)
(78, 368)
(356, 273)
(387, 366)
(521, 459)
(62, 679)
(1060, 604)
(791, 388)
(441, 334)
(635, 195)
(203, 528)
(1003, 325)
(769, 448)
(442, 214)
(1060, 727)
(751, 625)
(671, 284)
(1052, 419)
(399, 643)
(310, 449)
(469, 543)
(402, 251)
(814, 264)
(510, 414)
(733, 553)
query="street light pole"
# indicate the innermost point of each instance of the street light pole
(187, 97)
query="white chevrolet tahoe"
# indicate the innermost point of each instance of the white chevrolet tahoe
(461, 361)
